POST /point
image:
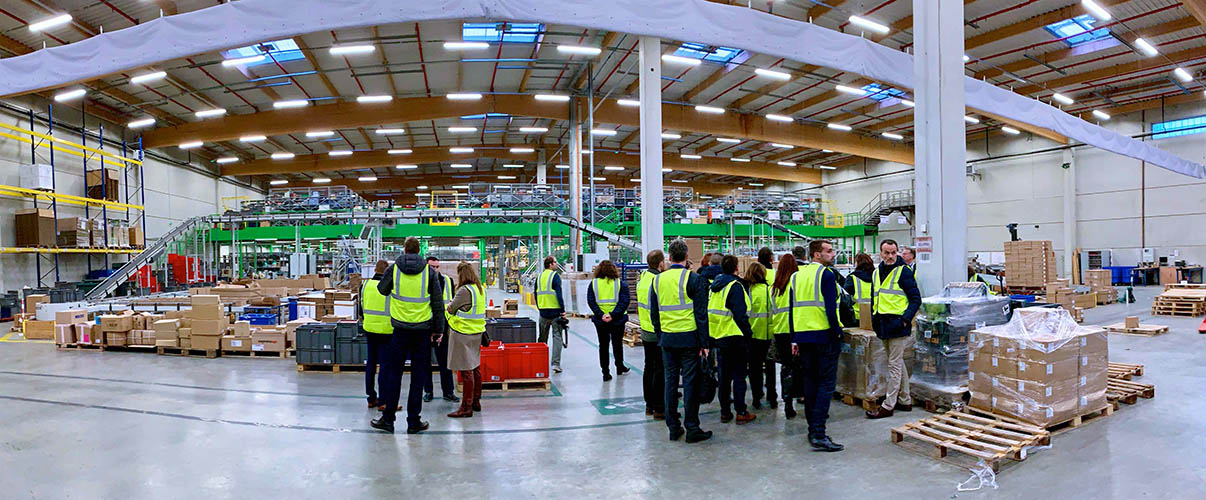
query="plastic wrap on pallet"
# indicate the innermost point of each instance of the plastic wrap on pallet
(862, 365)
(941, 331)
(1041, 367)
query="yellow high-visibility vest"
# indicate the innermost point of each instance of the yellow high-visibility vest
(862, 293)
(375, 308)
(675, 309)
(888, 298)
(760, 311)
(807, 302)
(644, 286)
(473, 321)
(720, 319)
(409, 302)
(546, 297)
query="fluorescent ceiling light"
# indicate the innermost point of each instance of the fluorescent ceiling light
(190, 145)
(778, 75)
(667, 170)
(895, 137)
(612, 167)
(587, 152)
(320, 133)
(1180, 72)
(689, 61)
(780, 118)
(690, 157)
(628, 102)
(603, 131)
(374, 98)
(756, 184)
(1147, 48)
(506, 177)
(149, 77)
(322, 180)
(50, 23)
(399, 151)
(740, 160)
(422, 187)
(461, 165)
(145, 122)
(226, 159)
(368, 178)
(826, 167)
(533, 130)
(462, 130)
(252, 138)
(282, 156)
(238, 61)
(562, 167)
(69, 95)
(849, 90)
(709, 109)
(297, 103)
(779, 145)
(1062, 98)
(552, 97)
(1101, 114)
(523, 150)
(341, 152)
(390, 131)
(838, 126)
(466, 45)
(210, 113)
(464, 97)
(406, 167)
(462, 186)
(352, 49)
(513, 165)
(787, 163)
(1096, 10)
(1010, 130)
(460, 150)
(826, 150)
(679, 181)
(869, 24)
(599, 179)
(908, 103)
(636, 180)
(580, 50)
(965, 58)
(728, 140)
(672, 136)
(971, 119)
(278, 182)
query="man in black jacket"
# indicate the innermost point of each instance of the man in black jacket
(681, 350)
(411, 339)
(892, 327)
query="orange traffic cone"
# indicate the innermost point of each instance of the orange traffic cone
(491, 302)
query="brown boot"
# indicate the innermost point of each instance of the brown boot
(477, 388)
(466, 409)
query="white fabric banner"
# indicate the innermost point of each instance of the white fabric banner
(241, 23)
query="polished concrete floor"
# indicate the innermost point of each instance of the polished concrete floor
(85, 424)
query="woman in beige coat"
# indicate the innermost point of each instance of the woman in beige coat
(467, 323)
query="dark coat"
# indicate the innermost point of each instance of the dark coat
(412, 264)
(619, 313)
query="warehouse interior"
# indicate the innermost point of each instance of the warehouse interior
(194, 193)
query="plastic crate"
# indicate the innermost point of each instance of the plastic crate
(493, 364)
(527, 360)
(260, 319)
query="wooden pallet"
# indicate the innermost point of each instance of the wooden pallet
(1170, 286)
(332, 368)
(1141, 330)
(1124, 371)
(188, 351)
(988, 439)
(632, 341)
(103, 347)
(1056, 427)
(866, 404)
(519, 384)
(256, 354)
(1166, 310)
(1025, 290)
(1128, 392)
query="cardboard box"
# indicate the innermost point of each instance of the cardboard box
(268, 342)
(510, 308)
(241, 329)
(35, 228)
(71, 317)
(136, 238)
(185, 342)
(236, 343)
(197, 300)
(209, 327)
(493, 312)
(206, 341)
(83, 332)
(206, 312)
(39, 330)
(172, 342)
(116, 339)
(1131, 322)
(116, 323)
(184, 333)
(64, 334)
(32, 301)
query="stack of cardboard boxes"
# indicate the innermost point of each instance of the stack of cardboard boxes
(34, 227)
(75, 232)
(1060, 292)
(1102, 284)
(1041, 367)
(209, 322)
(1029, 264)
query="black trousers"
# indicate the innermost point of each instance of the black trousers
(787, 364)
(817, 367)
(377, 343)
(761, 370)
(447, 386)
(682, 361)
(733, 356)
(654, 378)
(414, 345)
(610, 333)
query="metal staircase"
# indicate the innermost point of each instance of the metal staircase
(887, 202)
(123, 274)
(763, 220)
(598, 233)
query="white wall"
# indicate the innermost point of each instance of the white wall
(173, 193)
(1029, 190)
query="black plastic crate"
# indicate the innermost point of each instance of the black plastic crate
(316, 356)
(316, 336)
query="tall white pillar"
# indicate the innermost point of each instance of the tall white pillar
(1070, 215)
(542, 168)
(941, 143)
(651, 144)
(575, 181)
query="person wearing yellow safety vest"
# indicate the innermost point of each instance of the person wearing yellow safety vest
(766, 257)
(858, 283)
(416, 310)
(653, 381)
(761, 368)
(678, 310)
(607, 297)
(467, 322)
(374, 319)
(781, 331)
(974, 277)
(817, 339)
(447, 386)
(895, 300)
(729, 327)
(552, 310)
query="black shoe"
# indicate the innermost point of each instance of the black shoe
(900, 407)
(676, 433)
(726, 417)
(606, 377)
(427, 397)
(372, 403)
(697, 436)
(772, 402)
(623, 370)
(453, 398)
(382, 425)
(757, 404)
(417, 429)
(878, 412)
(789, 411)
(823, 443)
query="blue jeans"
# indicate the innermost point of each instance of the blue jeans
(377, 343)
(817, 367)
(684, 361)
(414, 345)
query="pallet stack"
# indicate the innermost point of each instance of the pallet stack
(1029, 265)
(1180, 302)
(1100, 281)
(632, 334)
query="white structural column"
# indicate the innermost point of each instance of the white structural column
(575, 181)
(1070, 215)
(651, 144)
(542, 168)
(940, 148)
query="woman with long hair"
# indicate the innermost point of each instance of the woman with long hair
(607, 297)
(761, 368)
(467, 322)
(781, 329)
